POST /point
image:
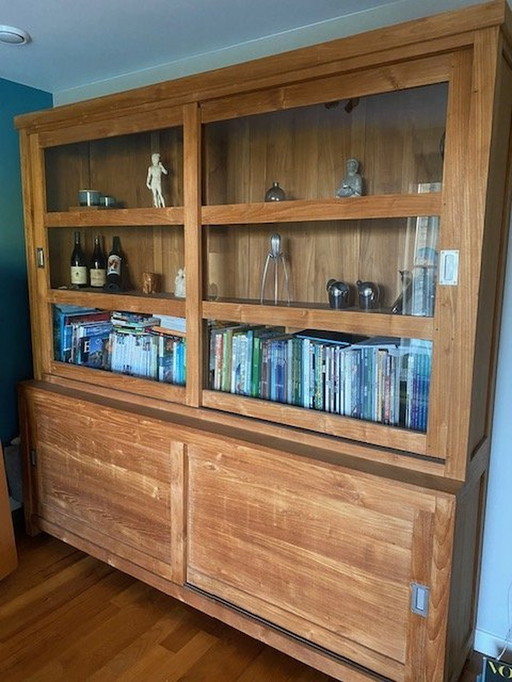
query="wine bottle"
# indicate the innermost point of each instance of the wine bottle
(114, 265)
(78, 265)
(98, 265)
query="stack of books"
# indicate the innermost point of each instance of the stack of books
(133, 347)
(80, 335)
(148, 346)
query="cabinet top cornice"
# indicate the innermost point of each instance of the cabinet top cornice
(427, 35)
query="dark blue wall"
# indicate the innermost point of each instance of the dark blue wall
(15, 348)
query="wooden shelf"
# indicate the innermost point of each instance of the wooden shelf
(352, 321)
(119, 382)
(315, 420)
(353, 208)
(115, 217)
(165, 304)
(357, 208)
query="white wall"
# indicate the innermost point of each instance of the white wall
(494, 612)
(496, 576)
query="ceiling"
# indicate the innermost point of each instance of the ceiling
(78, 43)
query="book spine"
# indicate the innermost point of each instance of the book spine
(256, 368)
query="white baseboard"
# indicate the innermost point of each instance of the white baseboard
(488, 643)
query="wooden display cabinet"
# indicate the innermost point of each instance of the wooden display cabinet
(355, 470)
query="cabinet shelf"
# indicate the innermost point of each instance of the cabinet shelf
(316, 420)
(165, 304)
(351, 321)
(357, 208)
(118, 381)
(354, 208)
(115, 217)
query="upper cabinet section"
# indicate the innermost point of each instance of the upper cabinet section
(396, 138)
(359, 187)
(114, 172)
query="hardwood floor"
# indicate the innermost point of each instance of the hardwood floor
(67, 616)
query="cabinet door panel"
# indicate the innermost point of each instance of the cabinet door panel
(106, 475)
(325, 553)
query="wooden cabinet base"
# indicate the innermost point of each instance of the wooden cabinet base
(357, 574)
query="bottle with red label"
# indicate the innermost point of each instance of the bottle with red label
(114, 266)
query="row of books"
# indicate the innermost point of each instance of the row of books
(147, 346)
(378, 379)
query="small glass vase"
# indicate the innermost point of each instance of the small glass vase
(275, 193)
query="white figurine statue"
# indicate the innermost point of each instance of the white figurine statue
(154, 180)
(179, 284)
(352, 183)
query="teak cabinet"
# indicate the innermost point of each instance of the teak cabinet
(312, 473)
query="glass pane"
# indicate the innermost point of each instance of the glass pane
(152, 250)
(386, 265)
(419, 274)
(141, 345)
(397, 138)
(115, 167)
(377, 379)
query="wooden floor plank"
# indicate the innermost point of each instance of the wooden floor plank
(48, 557)
(284, 669)
(35, 642)
(191, 624)
(226, 659)
(112, 636)
(163, 665)
(140, 649)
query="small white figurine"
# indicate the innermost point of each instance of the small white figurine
(179, 284)
(352, 183)
(154, 180)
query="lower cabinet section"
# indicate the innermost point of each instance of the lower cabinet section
(362, 575)
(104, 475)
(334, 556)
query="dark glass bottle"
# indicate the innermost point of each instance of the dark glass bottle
(275, 193)
(114, 266)
(98, 265)
(78, 265)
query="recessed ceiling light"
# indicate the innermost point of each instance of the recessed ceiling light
(13, 35)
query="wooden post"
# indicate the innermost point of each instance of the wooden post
(8, 556)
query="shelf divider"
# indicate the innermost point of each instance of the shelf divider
(352, 321)
(302, 210)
